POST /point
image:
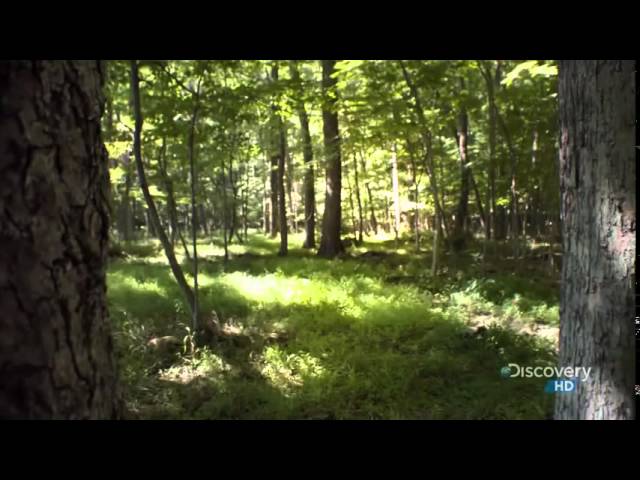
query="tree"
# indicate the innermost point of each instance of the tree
(56, 351)
(153, 211)
(598, 208)
(309, 179)
(330, 242)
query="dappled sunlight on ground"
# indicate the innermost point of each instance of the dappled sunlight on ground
(356, 337)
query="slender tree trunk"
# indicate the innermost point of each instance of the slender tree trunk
(233, 218)
(309, 178)
(367, 185)
(463, 203)
(427, 140)
(266, 199)
(127, 222)
(354, 224)
(164, 240)
(491, 82)
(330, 242)
(358, 199)
(434, 250)
(278, 137)
(289, 178)
(225, 211)
(514, 193)
(598, 207)
(282, 204)
(274, 195)
(194, 208)
(56, 348)
(245, 206)
(396, 192)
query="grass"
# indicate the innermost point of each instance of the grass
(361, 337)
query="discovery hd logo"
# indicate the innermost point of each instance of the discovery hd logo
(561, 379)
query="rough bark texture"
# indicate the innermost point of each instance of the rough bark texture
(598, 205)
(330, 243)
(56, 351)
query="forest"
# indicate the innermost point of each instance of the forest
(317, 239)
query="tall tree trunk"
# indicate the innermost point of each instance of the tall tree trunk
(289, 182)
(416, 193)
(434, 251)
(330, 243)
(275, 228)
(279, 151)
(396, 192)
(225, 211)
(307, 153)
(233, 217)
(492, 81)
(358, 199)
(127, 216)
(427, 141)
(176, 269)
(194, 207)
(266, 199)
(513, 207)
(367, 185)
(597, 177)
(245, 206)
(171, 203)
(463, 203)
(56, 348)
(354, 224)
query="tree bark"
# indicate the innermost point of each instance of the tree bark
(307, 153)
(330, 242)
(396, 192)
(513, 206)
(459, 240)
(194, 206)
(56, 348)
(367, 185)
(598, 207)
(358, 199)
(491, 81)
(427, 141)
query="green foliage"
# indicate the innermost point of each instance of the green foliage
(308, 338)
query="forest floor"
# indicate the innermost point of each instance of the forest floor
(369, 336)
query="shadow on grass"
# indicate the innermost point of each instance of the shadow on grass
(394, 359)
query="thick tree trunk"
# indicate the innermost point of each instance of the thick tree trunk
(597, 175)
(162, 236)
(56, 349)
(330, 243)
